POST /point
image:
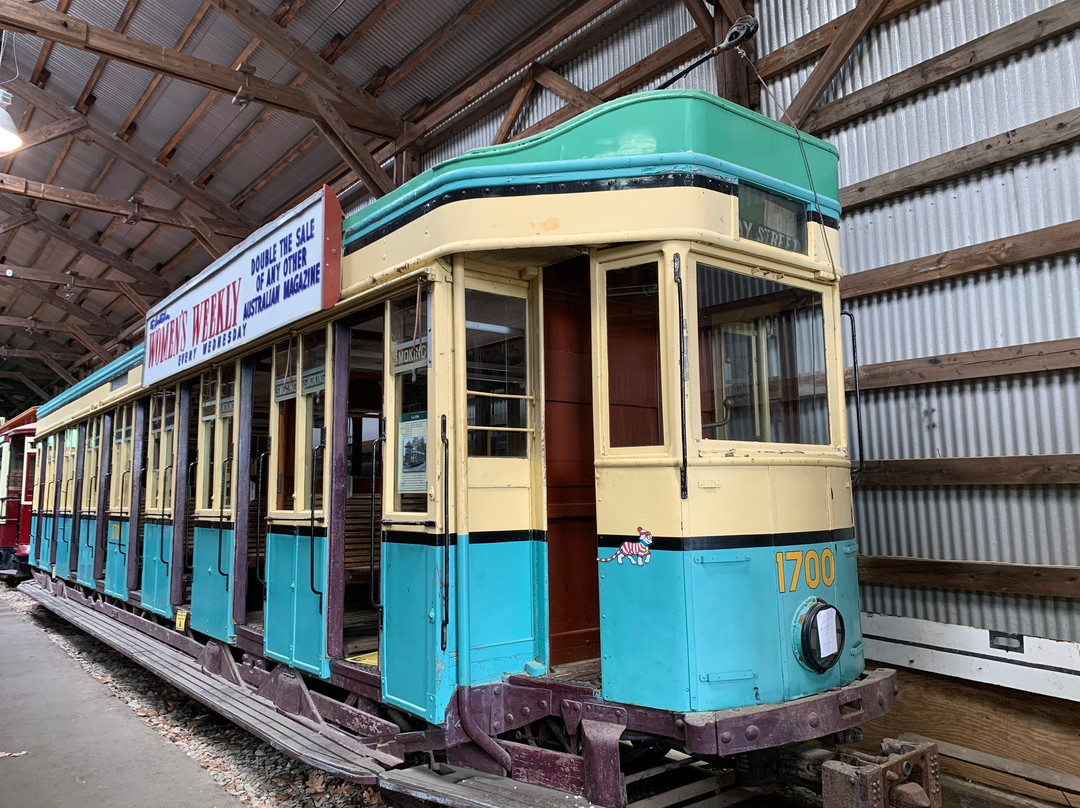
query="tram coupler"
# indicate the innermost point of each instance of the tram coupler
(904, 775)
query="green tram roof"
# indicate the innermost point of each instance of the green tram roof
(636, 136)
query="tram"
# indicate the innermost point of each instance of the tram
(17, 469)
(532, 474)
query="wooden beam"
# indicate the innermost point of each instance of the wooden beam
(20, 186)
(1016, 144)
(261, 26)
(92, 249)
(17, 221)
(30, 385)
(1032, 580)
(810, 45)
(564, 88)
(60, 370)
(92, 344)
(137, 299)
(32, 324)
(862, 17)
(207, 237)
(732, 73)
(1017, 37)
(72, 279)
(60, 302)
(351, 149)
(1040, 357)
(1062, 469)
(1026, 771)
(655, 64)
(1035, 245)
(517, 104)
(26, 353)
(471, 10)
(703, 19)
(50, 131)
(63, 29)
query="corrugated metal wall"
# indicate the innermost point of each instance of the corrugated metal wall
(1032, 302)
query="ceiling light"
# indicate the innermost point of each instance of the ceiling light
(10, 139)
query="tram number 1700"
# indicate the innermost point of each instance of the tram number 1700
(807, 565)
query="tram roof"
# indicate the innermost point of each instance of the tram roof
(632, 137)
(99, 377)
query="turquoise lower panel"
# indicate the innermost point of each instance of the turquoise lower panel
(157, 553)
(506, 619)
(64, 527)
(41, 559)
(416, 674)
(211, 582)
(33, 539)
(84, 574)
(116, 550)
(711, 630)
(295, 615)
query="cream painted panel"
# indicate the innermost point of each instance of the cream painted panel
(728, 500)
(802, 501)
(632, 497)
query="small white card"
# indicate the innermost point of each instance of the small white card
(826, 632)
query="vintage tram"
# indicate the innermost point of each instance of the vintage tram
(534, 469)
(17, 469)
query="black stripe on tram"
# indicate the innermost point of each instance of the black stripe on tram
(479, 537)
(735, 542)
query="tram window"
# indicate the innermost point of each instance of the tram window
(772, 219)
(314, 391)
(409, 335)
(121, 463)
(285, 362)
(762, 360)
(30, 479)
(71, 446)
(91, 454)
(635, 409)
(157, 404)
(496, 357)
(207, 426)
(226, 406)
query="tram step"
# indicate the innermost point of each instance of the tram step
(465, 788)
(239, 706)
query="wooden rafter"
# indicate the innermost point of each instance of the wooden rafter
(132, 210)
(517, 104)
(39, 356)
(60, 302)
(32, 324)
(65, 30)
(50, 131)
(73, 279)
(91, 343)
(703, 19)
(59, 369)
(860, 21)
(87, 246)
(352, 150)
(320, 72)
(564, 88)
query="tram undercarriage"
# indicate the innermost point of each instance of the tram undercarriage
(549, 729)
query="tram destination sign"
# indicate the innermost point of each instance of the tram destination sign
(282, 272)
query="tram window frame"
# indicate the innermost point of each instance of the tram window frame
(48, 473)
(71, 453)
(31, 474)
(217, 441)
(408, 357)
(767, 358)
(161, 451)
(622, 260)
(6, 453)
(300, 404)
(91, 464)
(501, 443)
(120, 481)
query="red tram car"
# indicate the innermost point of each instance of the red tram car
(17, 466)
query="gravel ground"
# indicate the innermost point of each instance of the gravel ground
(252, 771)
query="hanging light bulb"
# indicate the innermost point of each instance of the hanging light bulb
(10, 139)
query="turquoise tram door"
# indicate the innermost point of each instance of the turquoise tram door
(118, 529)
(213, 536)
(417, 641)
(157, 552)
(297, 606)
